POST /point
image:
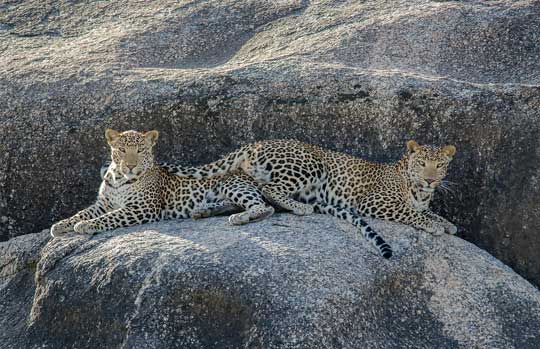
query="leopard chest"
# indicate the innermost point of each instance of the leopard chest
(419, 199)
(118, 197)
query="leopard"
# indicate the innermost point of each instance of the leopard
(305, 178)
(135, 190)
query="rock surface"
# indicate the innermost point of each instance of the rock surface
(358, 76)
(285, 282)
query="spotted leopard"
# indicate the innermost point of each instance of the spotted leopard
(302, 178)
(135, 190)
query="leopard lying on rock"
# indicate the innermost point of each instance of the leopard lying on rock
(199, 197)
(135, 190)
(301, 177)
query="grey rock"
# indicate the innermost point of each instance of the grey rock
(357, 76)
(18, 262)
(285, 282)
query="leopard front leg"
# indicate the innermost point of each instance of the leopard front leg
(397, 210)
(123, 217)
(449, 227)
(68, 224)
(418, 219)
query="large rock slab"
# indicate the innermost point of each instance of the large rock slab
(285, 282)
(361, 77)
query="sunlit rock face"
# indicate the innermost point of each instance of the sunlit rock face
(362, 77)
(287, 281)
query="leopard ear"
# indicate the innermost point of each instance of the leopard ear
(449, 150)
(111, 136)
(152, 136)
(412, 146)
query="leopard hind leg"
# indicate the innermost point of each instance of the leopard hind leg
(210, 209)
(252, 214)
(280, 195)
(244, 193)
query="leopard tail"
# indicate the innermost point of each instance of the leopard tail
(384, 249)
(228, 163)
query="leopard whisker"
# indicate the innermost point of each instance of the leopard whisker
(449, 183)
(445, 188)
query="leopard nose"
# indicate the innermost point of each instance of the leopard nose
(430, 180)
(131, 166)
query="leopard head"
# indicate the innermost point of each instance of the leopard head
(131, 151)
(427, 166)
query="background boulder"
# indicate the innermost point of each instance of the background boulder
(302, 282)
(360, 77)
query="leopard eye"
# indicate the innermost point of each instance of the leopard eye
(422, 163)
(122, 150)
(439, 165)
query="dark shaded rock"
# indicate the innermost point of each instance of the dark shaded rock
(361, 77)
(18, 262)
(302, 282)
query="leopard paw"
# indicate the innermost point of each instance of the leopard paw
(59, 228)
(239, 218)
(451, 229)
(199, 213)
(436, 230)
(84, 227)
(303, 210)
